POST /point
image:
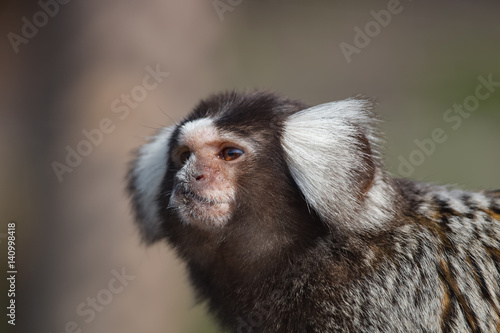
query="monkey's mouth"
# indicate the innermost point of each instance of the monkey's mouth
(186, 197)
(199, 210)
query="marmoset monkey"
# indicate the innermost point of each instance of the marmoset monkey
(287, 222)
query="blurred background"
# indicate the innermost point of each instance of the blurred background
(76, 76)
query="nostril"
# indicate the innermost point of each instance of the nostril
(200, 177)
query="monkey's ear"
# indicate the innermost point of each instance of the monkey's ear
(329, 153)
(144, 181)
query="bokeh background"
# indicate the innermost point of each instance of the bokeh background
(72, 234)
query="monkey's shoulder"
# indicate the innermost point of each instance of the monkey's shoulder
(454, 221)
(442, 204)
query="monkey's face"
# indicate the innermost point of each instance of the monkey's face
(258, 165)
(207, 163)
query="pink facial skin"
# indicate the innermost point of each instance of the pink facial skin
(209, 181)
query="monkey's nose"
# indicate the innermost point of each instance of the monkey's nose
(200, 177)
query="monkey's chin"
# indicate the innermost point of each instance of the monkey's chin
(202, 212)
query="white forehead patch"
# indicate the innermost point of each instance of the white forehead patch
(199, 129)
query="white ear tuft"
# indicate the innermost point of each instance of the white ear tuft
(328, 149)
(145, 180)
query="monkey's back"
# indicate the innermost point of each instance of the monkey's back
(437, 272)
(466, 227)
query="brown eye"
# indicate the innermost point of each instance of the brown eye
(230, 154)
(185, 156)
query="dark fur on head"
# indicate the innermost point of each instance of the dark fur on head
(308, 233)
(269, 226)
